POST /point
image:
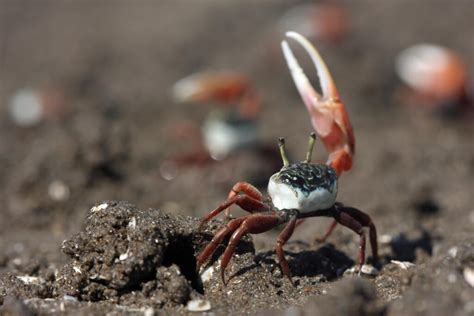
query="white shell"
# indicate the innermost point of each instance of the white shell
(286, 197)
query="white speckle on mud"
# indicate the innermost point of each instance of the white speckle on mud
(404, 265)
(102, 206)
(70, 298)
(207, 274)
(453, 252)
(149, 312)
(133, 223)
(77, 269)
(366, 269)
(469, 275)
(198, 306)
(369, 270)
(385, 239)
(229, 292)
(123, 256)
(27, 279)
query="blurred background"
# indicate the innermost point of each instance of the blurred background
(87, 112)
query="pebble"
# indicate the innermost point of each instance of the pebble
(469, 275)
(30, 279)
(96, 208)
(25, 107)
(207, 274)
(369, 270)
(404, 265)
(149, 312)
(70, 298)
(453, 252)
(198, 305)
(385, 239)
(58, 191)
(366, 269)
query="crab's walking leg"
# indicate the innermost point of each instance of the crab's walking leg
(253, 224)
(328, 114)
(284, 236)
(356, 221)
(245, 188)
(217, 240)
(246, 202)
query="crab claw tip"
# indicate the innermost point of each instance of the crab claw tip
(328, 87)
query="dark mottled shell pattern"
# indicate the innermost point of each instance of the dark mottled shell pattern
(307, 177)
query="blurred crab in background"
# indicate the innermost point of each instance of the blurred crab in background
(299, 190)
(436, 77)
(231, 127)
(224, 130)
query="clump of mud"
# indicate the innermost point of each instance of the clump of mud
(126, 255)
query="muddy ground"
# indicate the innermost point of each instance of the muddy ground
(85, 252)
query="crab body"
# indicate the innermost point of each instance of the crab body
(303, 186)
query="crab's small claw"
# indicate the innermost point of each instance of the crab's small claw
(328, 114)
(227, 88)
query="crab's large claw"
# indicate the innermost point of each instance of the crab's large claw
(226, 88)
(328, 114)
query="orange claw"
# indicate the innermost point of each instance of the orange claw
(328, 114)
(222, 87)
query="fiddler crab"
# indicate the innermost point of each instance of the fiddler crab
(224, 131)
(301, 189)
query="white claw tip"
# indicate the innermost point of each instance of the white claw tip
(327, 83)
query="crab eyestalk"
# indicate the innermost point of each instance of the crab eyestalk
(281, 145)
(311, 142)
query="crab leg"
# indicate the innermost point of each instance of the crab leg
(327, 112)
(246, 202)
(253, 224)
(245, 188)
(217, 240)
(226, 88)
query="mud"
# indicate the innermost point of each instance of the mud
(61, 252)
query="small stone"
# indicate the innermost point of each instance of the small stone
(58, 191)
(30, 279)
(26, 108)
(453, 252)
(404, 265)
(366, 269)
(385, 239)
(96, 208)
(198, 305)
(207, 274)
(149, 312)
(369, 270)
(69, 298)
(469, 275)
(133, 223)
